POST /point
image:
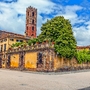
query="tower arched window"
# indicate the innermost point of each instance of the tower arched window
(27, 27)
(28, 13)
(32, 13)
(32, 28)
(32, 21)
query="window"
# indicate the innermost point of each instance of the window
(11, 39)
(1, 48)
(19, 40)
(4, 47)
(27, 27)
(28, 13)
(4, 56)
(32, 13)
(32, 21)
(33, 28)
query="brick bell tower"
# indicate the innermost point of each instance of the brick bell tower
(31, 22)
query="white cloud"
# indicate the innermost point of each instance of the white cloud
(82, 32)
(82, 35)
(9, 20)
(70, 13)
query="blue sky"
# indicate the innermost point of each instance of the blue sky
(13, 15)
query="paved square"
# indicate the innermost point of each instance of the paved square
(17, 80)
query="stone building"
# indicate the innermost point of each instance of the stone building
(6, 40)
(9, 38)
(40, 57)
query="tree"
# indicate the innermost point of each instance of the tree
(83, 56)
(59, 30)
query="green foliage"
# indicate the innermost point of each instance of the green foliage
(83, 56)
(17, 44)
(59, 30)
(32, 41)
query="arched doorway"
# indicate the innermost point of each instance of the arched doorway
(40, 61)
(21, 61)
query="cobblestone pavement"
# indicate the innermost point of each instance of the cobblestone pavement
(17, 80)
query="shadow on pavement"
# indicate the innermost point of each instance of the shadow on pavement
(87, 88)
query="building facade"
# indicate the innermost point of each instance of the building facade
(6, 41)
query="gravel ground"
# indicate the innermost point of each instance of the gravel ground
(25, 80)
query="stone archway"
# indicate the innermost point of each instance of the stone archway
(40, 61)
(45, 60)
(21, 61)
(8, 61)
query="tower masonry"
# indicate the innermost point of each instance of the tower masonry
(31, 22)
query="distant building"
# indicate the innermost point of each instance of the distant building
(79, 48)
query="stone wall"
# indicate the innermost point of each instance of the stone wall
(62, 64)
(41, 57)
(29, 57)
